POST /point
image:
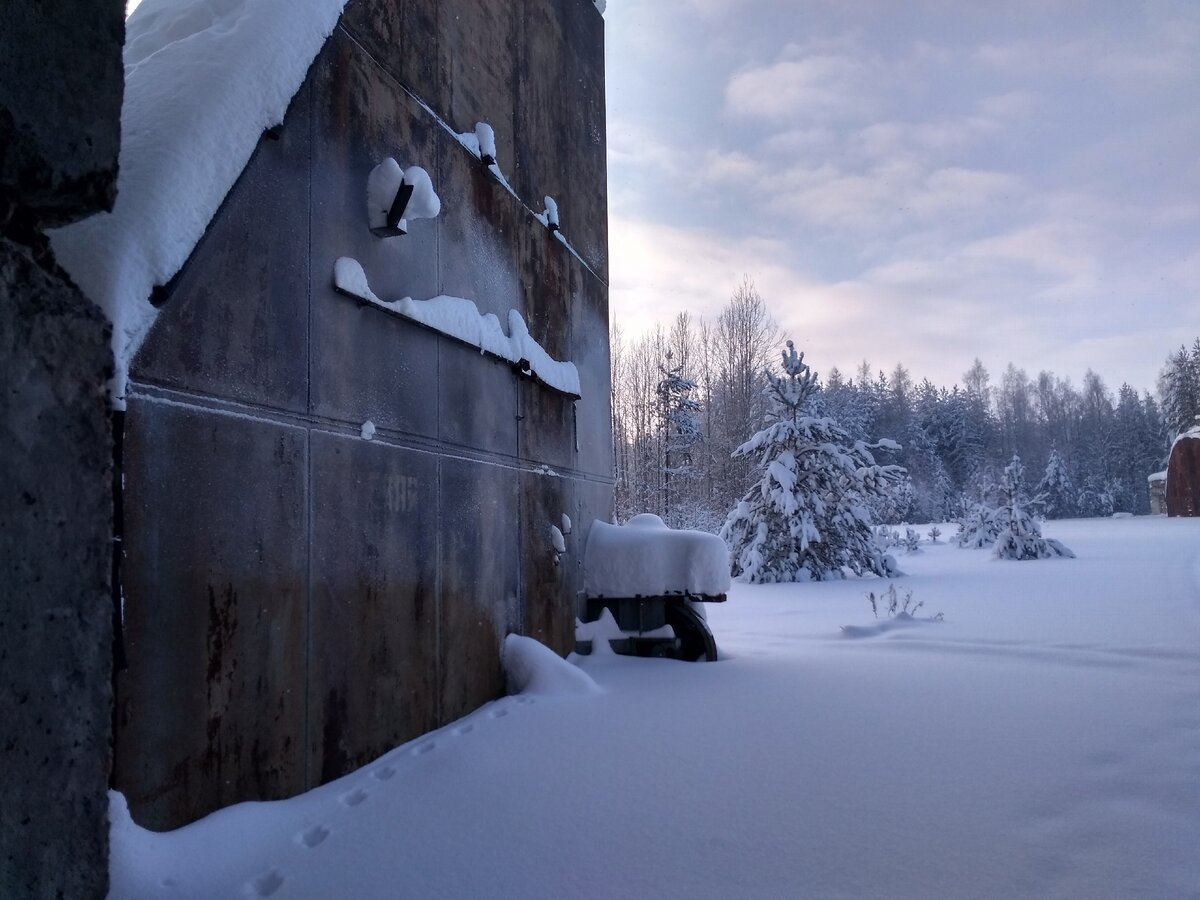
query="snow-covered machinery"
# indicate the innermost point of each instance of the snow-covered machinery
(651, 580)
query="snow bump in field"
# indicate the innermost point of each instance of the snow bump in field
(460, 319)
(531, 667)
(203, 80)
(900, 620)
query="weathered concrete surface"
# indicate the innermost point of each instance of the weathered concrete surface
(533, 70)
(55, 557)
(416, 552)
(372, 640)
(1183, 478)
(61, 84)
(238, 294)
(211, 709)
(481, 592)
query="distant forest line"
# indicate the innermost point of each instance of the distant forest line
(686, 396)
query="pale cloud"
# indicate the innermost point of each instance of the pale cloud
(806, 142)
(844, 200)
(661, 269)
(924, 197)
(928, 139)
(896, 193)
(814, 85)
(711, 10)
(720, 168)
(1058, 249)
(633, 145)
(1168, 55)
(960, 189)
(640, 159)
(1016, 297)
(1009, 105)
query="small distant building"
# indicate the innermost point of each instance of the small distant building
(1183, 475)
(1158, 493)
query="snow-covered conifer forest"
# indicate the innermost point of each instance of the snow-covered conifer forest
(687, 395)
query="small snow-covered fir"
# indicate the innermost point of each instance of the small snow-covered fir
(1021, 535)
(978, 526)
(807, 518)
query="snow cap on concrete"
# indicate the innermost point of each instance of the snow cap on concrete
(203, 80)
(1192, 433)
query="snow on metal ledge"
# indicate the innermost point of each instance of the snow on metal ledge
(461, 320)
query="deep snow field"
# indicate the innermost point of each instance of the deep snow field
(1042, 741)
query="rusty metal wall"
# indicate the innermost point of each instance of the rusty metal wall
(298, 600)
(1183, 478)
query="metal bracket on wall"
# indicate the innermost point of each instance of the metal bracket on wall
(395, 213)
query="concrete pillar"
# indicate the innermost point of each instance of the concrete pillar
(61, 85)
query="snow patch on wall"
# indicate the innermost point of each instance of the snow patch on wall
(549, 216)
(203, 80)
(481, 143)
(460, 319)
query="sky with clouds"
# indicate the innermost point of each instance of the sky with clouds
(921, 182)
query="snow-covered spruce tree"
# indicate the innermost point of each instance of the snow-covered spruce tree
(1056, 489)
(807, 519)
(1179, 386)
(1021, 536)
(1095, 499)
(679, 420)
(977, 515)
(978, 526)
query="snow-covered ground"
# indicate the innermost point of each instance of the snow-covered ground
(1042, 741)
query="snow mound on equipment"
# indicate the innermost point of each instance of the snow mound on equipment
(646, 558)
